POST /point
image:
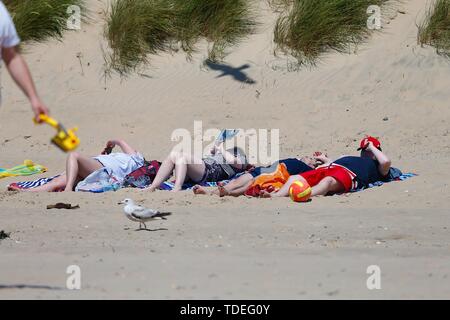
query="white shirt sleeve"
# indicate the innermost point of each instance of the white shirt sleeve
(8, 33)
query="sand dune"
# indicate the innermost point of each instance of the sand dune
(237, 248)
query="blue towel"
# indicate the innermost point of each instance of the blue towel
(400, 177)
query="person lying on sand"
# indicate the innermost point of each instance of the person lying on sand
(239, 186)
(344, 174)
(220, 165)
(78, 166)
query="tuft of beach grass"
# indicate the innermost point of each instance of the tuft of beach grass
(137, 29)
(435, 30)
(222, 23)
(307, 29)
(40, 20)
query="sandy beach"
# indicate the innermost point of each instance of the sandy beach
(235, 248)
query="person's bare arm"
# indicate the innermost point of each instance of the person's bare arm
(384, 163)
(19, 71)
(126, 148)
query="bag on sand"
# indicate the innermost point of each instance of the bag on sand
(142, 177)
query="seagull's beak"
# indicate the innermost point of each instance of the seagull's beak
(121, 202)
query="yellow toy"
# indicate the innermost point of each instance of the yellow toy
(66, 140)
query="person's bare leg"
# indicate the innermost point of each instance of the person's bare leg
(327, 185)
(79, 166)
(184, 165)
(58, 183)
(239, 191)
(195, 169)
(237, 187)
(164, 172)
(284, 191)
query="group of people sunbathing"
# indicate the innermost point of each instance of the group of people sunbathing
(324, 175)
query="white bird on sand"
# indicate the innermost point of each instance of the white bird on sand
(141, 214)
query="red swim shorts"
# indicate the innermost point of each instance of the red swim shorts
(342, 175)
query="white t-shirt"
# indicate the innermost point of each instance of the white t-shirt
(8, 33)
(121, 164)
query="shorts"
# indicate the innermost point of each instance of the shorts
(341, 174)
(213, 173)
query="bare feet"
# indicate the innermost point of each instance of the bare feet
(148, 189)
(197, 189)
(265, 194)
(222, 191)
(14, 188)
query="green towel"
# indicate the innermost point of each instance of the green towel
(26, 169)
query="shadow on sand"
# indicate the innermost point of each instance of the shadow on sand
(29, 286)
(228, 70)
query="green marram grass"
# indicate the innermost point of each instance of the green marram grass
(137, 29)
(223, 23)
(39, 20)
(309, 28)
(435, 30)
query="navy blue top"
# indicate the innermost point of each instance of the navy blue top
(293, 165)
(366, 169)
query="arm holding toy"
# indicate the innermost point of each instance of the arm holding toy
(19, 71)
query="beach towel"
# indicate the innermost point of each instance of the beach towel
(30, 184)
(271, 182)
(168, 185)
(401, 177)
(26, 169)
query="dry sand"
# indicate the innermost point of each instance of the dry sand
(237, 248)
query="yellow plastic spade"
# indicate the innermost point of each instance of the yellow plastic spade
(66, 140)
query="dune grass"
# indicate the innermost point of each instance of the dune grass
(310, 28)
(222, 23)
(435, 30)
(39, 20)
(137, 29)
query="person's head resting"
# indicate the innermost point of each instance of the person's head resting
(364, 144)
(309, 161)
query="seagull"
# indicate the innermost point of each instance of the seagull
(141, 214)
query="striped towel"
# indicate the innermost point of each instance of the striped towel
(31, 184)
(169, 185)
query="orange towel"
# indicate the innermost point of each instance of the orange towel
(272, 182)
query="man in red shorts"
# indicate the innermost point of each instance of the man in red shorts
(344, 174)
